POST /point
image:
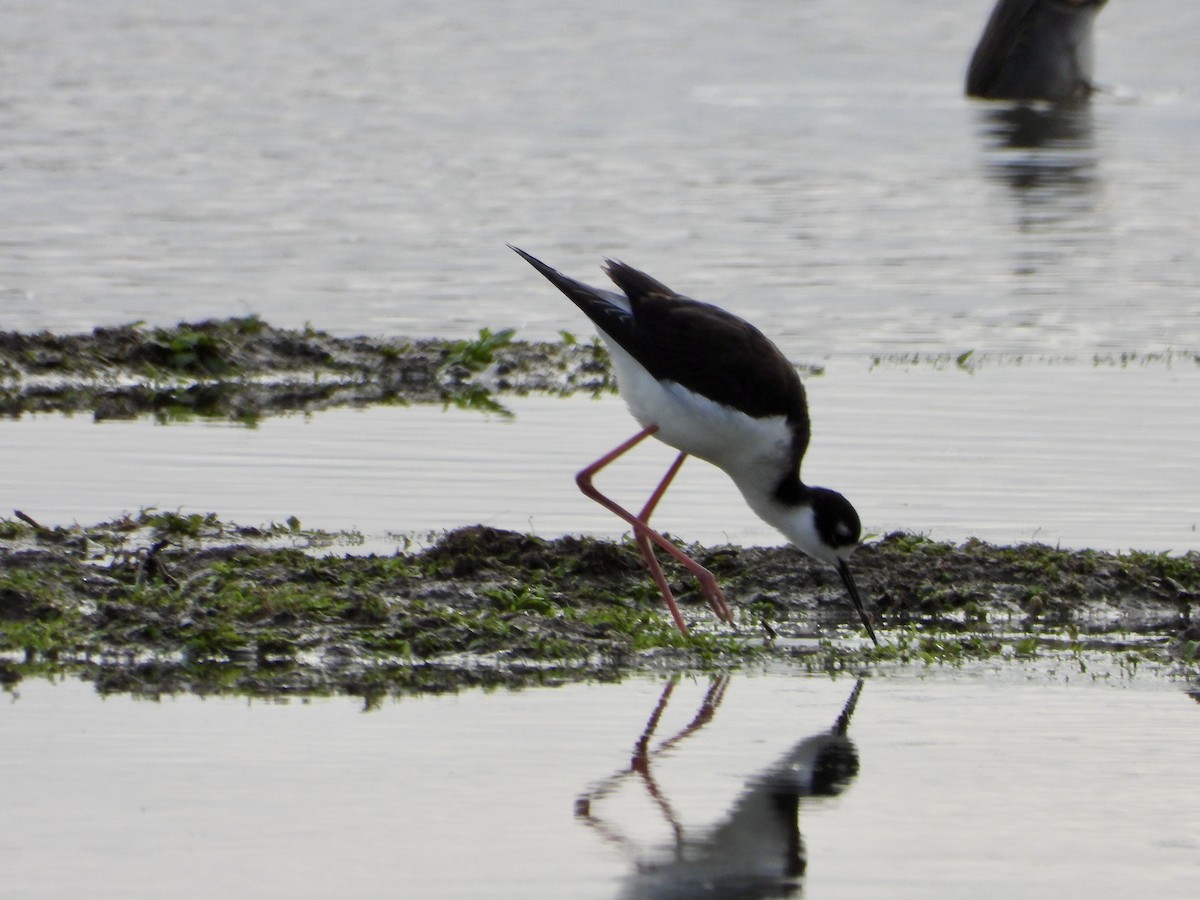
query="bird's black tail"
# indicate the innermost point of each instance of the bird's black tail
(634, 282)
(576, 290)
(556, 277)
(595, 304)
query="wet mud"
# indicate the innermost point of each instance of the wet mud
(162, 603)
(245, 369)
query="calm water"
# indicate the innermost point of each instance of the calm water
(361, 168)
(952, 786)
(1010, 453)
(811, 164)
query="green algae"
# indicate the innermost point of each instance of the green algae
(161, 602)
(243, 369)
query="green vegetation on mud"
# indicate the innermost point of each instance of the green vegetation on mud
(244, 369)
(970, 361)
(165, 602)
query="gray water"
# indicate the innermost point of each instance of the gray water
(1009, 453)
(982, 785)
(810, 165)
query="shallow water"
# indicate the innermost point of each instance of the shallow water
(1103, 458)
(362, 169)
(815, 168)
(812, 166)
(992, 785)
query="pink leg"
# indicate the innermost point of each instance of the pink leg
(711, 590)
(642, 535)
(645, 534)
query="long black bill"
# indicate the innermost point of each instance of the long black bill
(848, 580)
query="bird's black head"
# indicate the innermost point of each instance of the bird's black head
(836, 520)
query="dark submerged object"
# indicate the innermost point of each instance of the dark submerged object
(1035, 50)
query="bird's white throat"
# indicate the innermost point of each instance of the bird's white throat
(797, 523)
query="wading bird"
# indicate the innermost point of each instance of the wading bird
(711, 385)
(1035, 50)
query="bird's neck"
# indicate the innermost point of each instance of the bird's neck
(788, 508)
(791, 491)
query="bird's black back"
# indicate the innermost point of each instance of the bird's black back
(699, 346)
(706, 349)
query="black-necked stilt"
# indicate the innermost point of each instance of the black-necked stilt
(711, 385)
(1035, 50)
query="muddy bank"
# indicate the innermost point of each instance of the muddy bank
(245, 369)
(162, 603)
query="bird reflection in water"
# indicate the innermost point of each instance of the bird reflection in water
(1045, 156)
(1036, 55)
(756, 850)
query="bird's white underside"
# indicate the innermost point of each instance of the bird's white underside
(754, 452)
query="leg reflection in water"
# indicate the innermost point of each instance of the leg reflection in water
(756, 849)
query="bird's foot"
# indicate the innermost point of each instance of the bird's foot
(715, 596)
